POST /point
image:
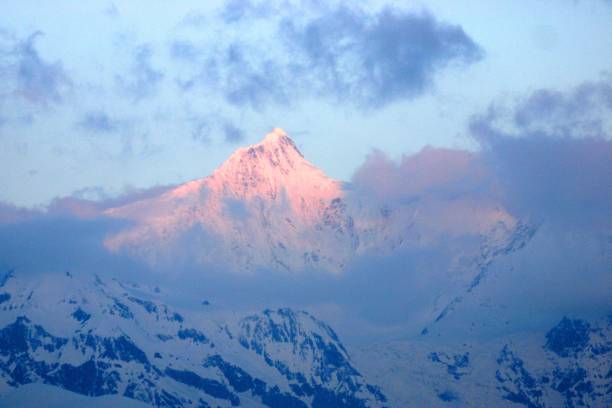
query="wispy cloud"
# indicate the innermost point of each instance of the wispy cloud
(195, 19)
(205, 126)
(239, 10)
(184, 50)
(111, 10)
(143, 79)
(201, 131)
(27, 76)
(232, 133)
(101, 122)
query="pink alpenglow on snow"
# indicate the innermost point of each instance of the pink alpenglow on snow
(265, 194)
(266, 206)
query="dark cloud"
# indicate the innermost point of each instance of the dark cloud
(377, 59)
(26, 75)
(553, 152)
(582, 112)
(568, 179)
(143, 80)
(232, 133)
(344, 54)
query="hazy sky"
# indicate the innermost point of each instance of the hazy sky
(97, 97)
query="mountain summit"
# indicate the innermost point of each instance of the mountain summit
(265, 206)
(275, 170)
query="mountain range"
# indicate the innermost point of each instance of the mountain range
(267, 207)
(84, 339)
(102, 339)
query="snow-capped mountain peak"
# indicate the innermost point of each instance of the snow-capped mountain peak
(265, 206)
(268, 207)
(278, 137)
(274, 169)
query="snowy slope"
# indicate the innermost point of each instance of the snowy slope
(96, 338)
(99, 338)
(41, 395)
(569, 365)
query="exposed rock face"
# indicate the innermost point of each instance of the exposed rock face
(568, 338)
(579, 369)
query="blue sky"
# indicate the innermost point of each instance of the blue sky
(98, 97)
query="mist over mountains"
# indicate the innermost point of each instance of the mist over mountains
(475, 270)
(424, 231)
(415, 256)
